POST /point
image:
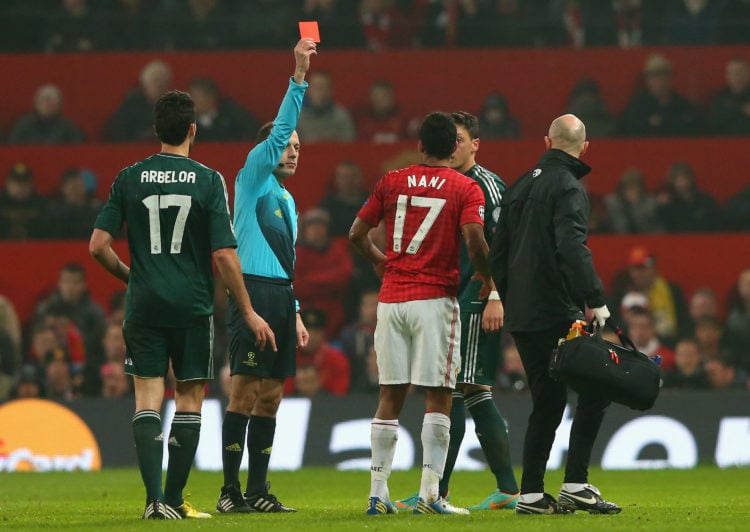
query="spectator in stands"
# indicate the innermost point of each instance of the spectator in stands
(495, 120)
(346, 197)
(43, 339)
(73, 213)
(113, 344)
(332, 364)
(218, 117)
(202, 25)
(385, 25)
(692, 22)
(58, 376)
(8, 364)
(734, 22)
(133, 120)
(111, 351)
(321, 118)
(703, 304)
(45, 124)
(632, 23)
(357, 342)
(738, 322)
(474, 22)
(69, 339)
(723, 374)
(709, 333)
(338, 20)
(658, 110)
(586, 102)
(116, 311)
(10, 355)
(28, 384)
(73, 27)
(73, 295)
(514, 24)
(666, 302)
(579, 23)
(737, 211)
(323, 269)
(688, 372)
(381, 120)
(730, 107)
(10, 326)
(307, 381)
(640, 326)
(22, 210)
(264, 24)
(133, 25)
(683, 207)
(632, 208)
(598, 214)
(115, 382)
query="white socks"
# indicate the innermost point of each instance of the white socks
(383, 438)
(529, 498)
(435, 437)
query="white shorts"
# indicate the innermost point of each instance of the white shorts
(418, 342)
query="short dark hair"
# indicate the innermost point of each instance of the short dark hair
(264, 132)
(74, 267)
(438, 135)
(173, 114)
(468, 121)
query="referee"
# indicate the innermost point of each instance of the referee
(266, 225)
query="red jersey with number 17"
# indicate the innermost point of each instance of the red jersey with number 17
(424, 208)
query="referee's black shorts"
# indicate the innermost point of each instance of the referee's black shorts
(274, 300)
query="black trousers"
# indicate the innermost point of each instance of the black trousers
(549, 399)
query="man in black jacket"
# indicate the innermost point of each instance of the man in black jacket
(545, 276)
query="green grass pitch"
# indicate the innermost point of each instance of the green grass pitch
(706, 498)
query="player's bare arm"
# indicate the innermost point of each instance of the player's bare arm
(305, 48)
(478, 249)
(100, 247)
(359, 236)
(228, 264)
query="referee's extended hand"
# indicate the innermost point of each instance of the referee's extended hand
(302, 52)
(262, 331)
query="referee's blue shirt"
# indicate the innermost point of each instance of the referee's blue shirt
(265, 216)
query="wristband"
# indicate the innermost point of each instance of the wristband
(494, 296)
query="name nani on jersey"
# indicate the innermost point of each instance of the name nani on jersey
(167, 176)
(434, 182)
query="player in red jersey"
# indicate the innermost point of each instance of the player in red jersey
(426, 208)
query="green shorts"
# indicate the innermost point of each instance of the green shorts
(149, 350)
(480, 351)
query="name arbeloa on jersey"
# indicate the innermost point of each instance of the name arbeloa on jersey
(167, 176)
(434, 182)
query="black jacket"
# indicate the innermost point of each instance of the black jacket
(540, 263)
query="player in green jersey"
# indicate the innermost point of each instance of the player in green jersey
(177, 221)
(481, 322)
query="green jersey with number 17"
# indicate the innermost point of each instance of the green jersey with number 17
(177, 214)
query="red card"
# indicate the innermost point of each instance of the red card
(309, 29)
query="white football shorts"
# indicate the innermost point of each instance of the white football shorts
(418, 342)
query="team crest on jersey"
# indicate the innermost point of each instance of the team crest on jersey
(537, 172)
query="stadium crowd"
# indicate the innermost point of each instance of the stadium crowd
(72, 347)
(85, 25)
